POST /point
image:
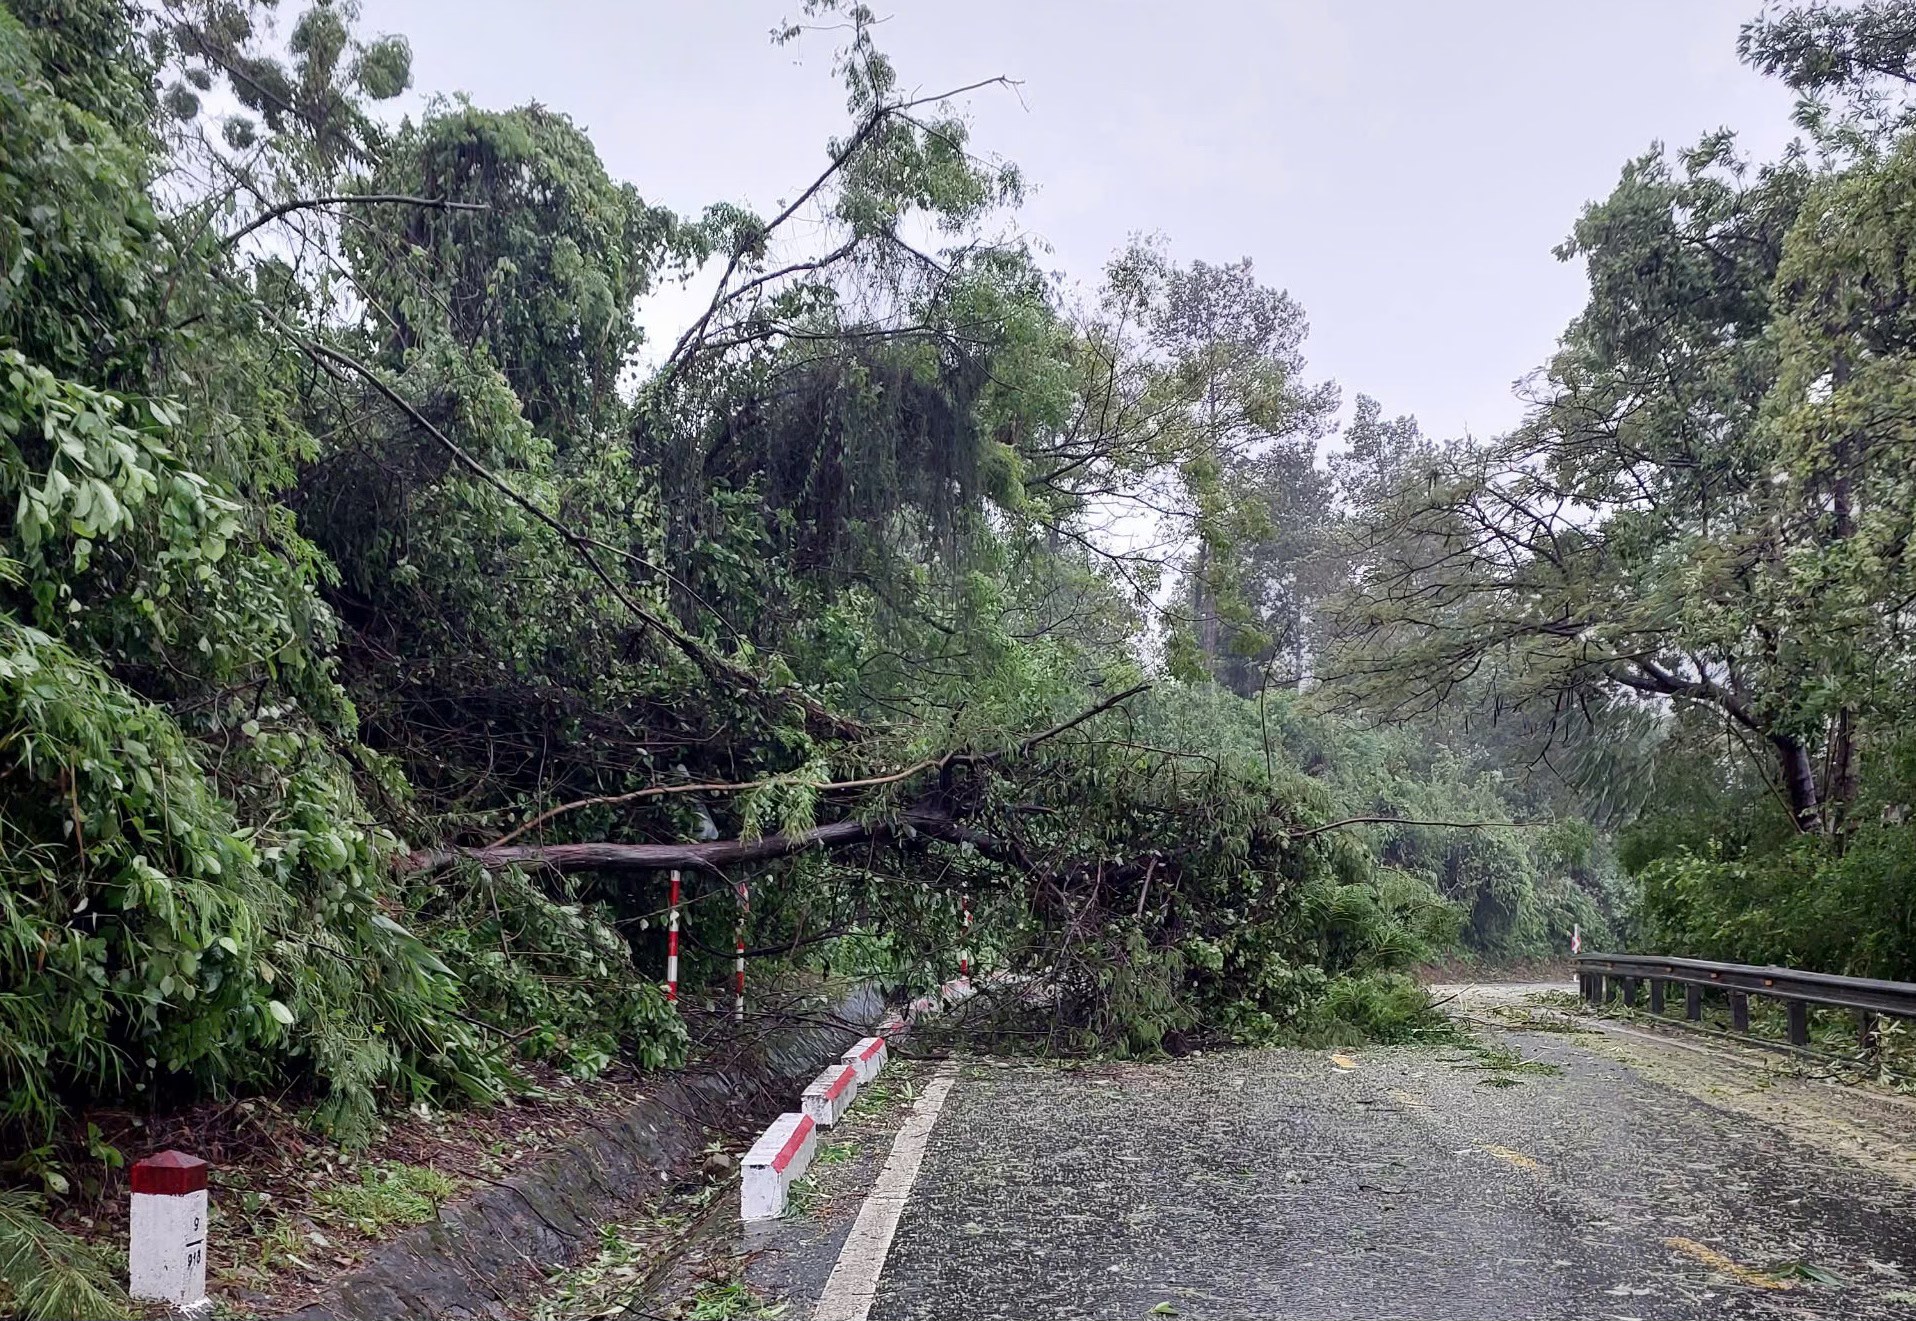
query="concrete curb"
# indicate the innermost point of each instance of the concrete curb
(830, 1094)
(778, 1157)
(824, 1102)
(483, 1251)
(868, 1057)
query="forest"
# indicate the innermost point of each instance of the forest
(384, 615)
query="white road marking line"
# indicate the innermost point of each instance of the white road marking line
(854, 1280)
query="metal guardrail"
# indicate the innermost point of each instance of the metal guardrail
(1605, 977)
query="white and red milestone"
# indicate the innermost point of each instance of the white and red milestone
(167, 1255)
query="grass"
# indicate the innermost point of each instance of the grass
(390, 1194)
(883, 1093)
(802, 1198)
(45, 1272)
(281, 1246)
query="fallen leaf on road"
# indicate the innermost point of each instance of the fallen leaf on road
(1343, 1061)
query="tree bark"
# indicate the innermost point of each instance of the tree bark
(1840, 783)
(1799, 781)
(1204, 609)
(716, 855)
(600, 856)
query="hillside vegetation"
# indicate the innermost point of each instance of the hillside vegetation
(383, 615)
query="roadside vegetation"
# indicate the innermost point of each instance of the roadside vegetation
(383, 614)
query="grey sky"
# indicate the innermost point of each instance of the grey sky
(1402, 167)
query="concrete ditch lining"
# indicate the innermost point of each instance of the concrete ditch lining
(466, 1263)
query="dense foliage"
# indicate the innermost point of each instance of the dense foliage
(340, 537)
(382, 618)
(1693, 562)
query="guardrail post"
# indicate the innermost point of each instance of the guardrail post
(1604, 979)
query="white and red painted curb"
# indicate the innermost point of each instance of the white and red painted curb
(956, 991)
(825, 1102)
(762, 1195)
(867, 1057)
(830, 1095)
(777, 1158)
(166, 1258)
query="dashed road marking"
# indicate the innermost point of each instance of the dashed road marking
(854, 1280)
(1517, 1158)
(1716, 1261)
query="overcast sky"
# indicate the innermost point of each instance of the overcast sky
(1403, 167)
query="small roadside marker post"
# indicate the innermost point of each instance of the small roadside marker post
(738, 963)
(964, 952)
(672, 945)
(166, 1257)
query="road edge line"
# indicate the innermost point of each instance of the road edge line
(853, 1283)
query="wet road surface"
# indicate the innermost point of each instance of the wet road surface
(1592, 1181)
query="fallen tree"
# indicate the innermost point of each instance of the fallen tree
(936, 816)
(712, 856)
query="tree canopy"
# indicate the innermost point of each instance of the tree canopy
(382, 617)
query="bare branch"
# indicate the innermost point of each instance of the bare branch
(271, 214)
(1309, 831)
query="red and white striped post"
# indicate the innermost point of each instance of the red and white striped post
(964, 949)
(672, 945)
(166, 1258)
(738, 961)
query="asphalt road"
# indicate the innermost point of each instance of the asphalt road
(1607, 1178)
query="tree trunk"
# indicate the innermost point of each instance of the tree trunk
(1204, 608)
(716, 855)
(1839, 788)
(1799, 782)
